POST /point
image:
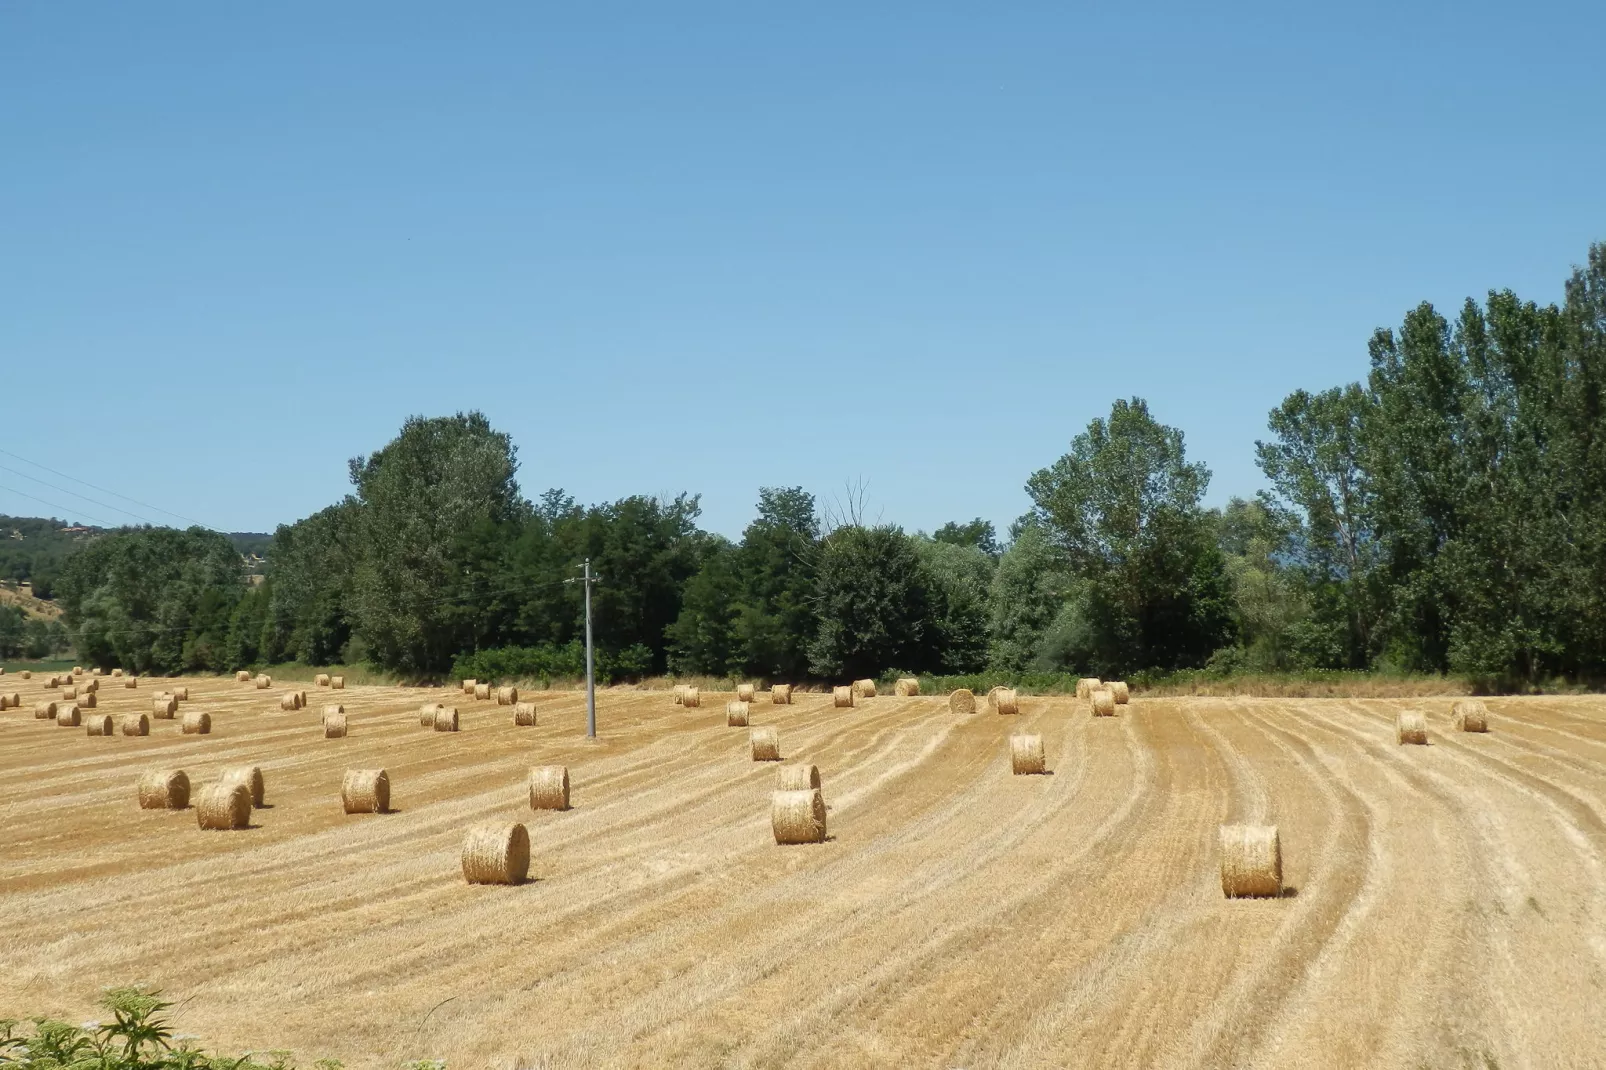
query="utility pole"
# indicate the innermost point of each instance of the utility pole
(591, 674)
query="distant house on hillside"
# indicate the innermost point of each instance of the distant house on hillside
(76, 530)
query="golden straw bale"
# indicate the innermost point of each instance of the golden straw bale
(549, 787)
(1251, 861)
(496, 854)
(745, 692)
(507, 696)
(692, 698)
(95, 671)
(1468, 715)
(365, 791)
(906, 687)
(91, 686)
(243, 677)
(1122, 693)
(482, 692)
(117, 672)
(136, 724)
(67, 715)
(89, 701)
(164, 706)
(1411, 726)
(69, 693)
(680, 693)
(43, 711)
(963, 700)
(1103, 703)
(524, 714)
(99, 724)
(196, 723)
(181, 693)
(334, 722)
(321, 680)
(224, 806)
(427, 712)
(131, 682)
(164, 789)
(337, 683)
(468, 687)
(446, 719)
(1003, 700)
(736, 714)
(26, 674)
(1086, 686)
(264, 682)
(78, 670)
(842, 697)
(799, 777)
(287, 701)
(14, 700)
(780, 694)
(798, 816)
(864, 688)
(250, 777)
(766, 743)
(1026, 754)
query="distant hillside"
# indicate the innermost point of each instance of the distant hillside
(34, 548)
(253, 545)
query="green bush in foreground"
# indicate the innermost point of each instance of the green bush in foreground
(137, 1038)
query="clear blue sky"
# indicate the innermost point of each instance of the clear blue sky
(712, 247)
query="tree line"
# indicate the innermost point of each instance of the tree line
(1448, 514)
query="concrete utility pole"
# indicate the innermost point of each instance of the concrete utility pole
(591, 674)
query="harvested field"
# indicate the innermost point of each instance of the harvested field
(1445, 904)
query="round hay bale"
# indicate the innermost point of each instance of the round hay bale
(496, 854)
(91, 686)
(99, 724)
(1026, 754)
(264, 682)
(365, 791)
(1410, 726)
(1086, 686)
(243, 677)
(26, 674)
(766, 743)
(181, 693)
(549, 787)
(801, 777)
(224, 806)
(1122, 693)
(337, 683)
(736, 714)
(842, 698)
(69, 693)
(482, 692)
(864, 688)
(164, 706)
(93, 672)
(89, 701)
(131, 682)
(321, 680)
(524, 714)
(680, 693)
(1468, 715)
(798, 816)
(780, 694)
(288, 701)
(14, 700)
(78, 670)
(1103, 703)
(906, 687)
(1003, 700)
(1251, 861)
(117, 672)
(468, 687)
(745, 692)
(692, 698)
(507, 696)
(445, 719)
(136, 724)
(249, 777)
(334, 722)
(164, 789)
(196, 723)
(427, 712)
(44, 711)
(67, 716)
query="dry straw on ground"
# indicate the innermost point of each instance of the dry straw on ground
(196, 723)
(334, 722)
(798, 816)
(524, 714)
(224, 806)
(164, 706)
(800, 777)
(691, 698)
(1251, 861)
(243, 677)
(496, 854)
(164, 789)
(365, 791)
(67, 715)
(507, 696)
(321, 680)
(1122, 693)
(1103, 703)
(1470, 715)
(746, 692)
(1026, 754)
(766, 743)
(99, 724)
(549, 787)
(1086, 686)
(736, 714)
(136, 724)
(446, 719)
(1411, 726)
(906, 687)
(781, 694)
(864, 688)
(337, 682)
(250, 777)
(841, 697)
(44, 710)
(482, 692)
(1003, 700)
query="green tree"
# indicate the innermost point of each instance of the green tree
(775, 618)
(703, 638)
(958, 579)
(978, 533)
(1269, 598)
(873, 605)
(1029, 590)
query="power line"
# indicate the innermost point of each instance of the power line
(75, 494)
(66, 512)
(104, 490)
